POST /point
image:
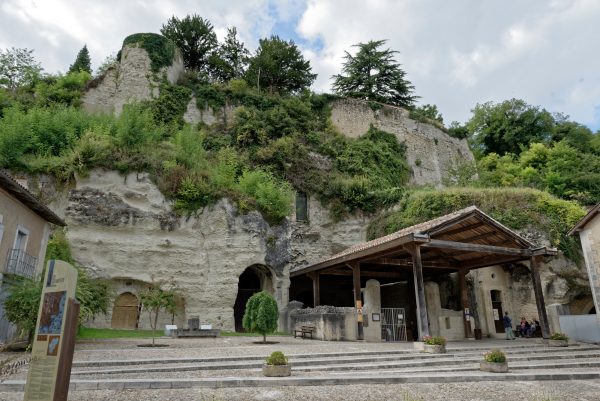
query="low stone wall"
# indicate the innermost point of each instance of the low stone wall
(332, 323)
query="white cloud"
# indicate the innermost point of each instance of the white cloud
(457, 53)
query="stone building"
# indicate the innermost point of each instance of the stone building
(589, 234)
(25, 225)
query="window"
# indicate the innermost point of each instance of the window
(301, 206)
(21, 239)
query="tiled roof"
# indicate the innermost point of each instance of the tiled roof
(422, 228)
(11, 186)
(586, 219)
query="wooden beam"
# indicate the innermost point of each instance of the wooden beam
(316, 288)
(464, 301)
(461, 229)
(534, 264)
(408, 263)
(422, 319)
(491, 260)
(365, 273)
(467, 247)
(357, 298)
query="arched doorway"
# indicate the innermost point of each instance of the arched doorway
(254, 279)
(592, 311)
(125, 313)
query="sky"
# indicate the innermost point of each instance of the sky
(457, 53)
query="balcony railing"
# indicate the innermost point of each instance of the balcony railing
(20, 263)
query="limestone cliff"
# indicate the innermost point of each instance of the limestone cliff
(130, 80)
(122, 228)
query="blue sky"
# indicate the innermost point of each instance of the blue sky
(457, 53)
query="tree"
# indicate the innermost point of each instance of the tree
(280, 67)
(373, 74)
(109, 62)
(196, 39)
(82, 62)
(230, 60)
(508, 127)
(261, 314)
(154, 299)
(18, 68)
(429, 111)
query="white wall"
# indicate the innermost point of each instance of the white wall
(581, 327)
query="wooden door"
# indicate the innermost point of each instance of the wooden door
(125, 312)
(497, 305)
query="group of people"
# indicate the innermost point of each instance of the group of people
(523, 329)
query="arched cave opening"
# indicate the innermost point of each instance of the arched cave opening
(254, 279)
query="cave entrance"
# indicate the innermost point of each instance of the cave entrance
(254, 279)
(125, 313)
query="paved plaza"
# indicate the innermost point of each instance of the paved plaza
(228, 368)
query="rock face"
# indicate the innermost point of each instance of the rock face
(123, 229)
(430, 152)
(129, 81)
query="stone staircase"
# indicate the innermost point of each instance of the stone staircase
(529, 362)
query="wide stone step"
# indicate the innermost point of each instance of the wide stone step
(321, 380)
(362, 355)
(332, 364)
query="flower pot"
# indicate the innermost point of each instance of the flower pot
(558, 343)
(277, 370)
(434, 349)
(494, 367)
(477, 334)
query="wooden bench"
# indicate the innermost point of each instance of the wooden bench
(305, 331)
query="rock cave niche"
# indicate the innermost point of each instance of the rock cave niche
(253, 279)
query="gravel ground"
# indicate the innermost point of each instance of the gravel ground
(483, 391)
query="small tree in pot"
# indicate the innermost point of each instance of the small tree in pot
(276, 365)
(261, 314)
(494, 361)
(434, 344)
(558, 340)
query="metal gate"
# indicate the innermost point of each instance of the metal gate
(393, 324)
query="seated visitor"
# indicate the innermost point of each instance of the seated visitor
(523, 327)
(531, 330)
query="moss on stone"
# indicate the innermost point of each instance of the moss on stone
(160, 49)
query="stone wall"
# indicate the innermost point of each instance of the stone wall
(430, 152)
(129, 81)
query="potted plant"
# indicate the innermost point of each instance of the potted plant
(276, 365)
(558, 340)
(494, 361)
(434, 345)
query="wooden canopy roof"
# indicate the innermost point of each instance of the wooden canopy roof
(466, 239)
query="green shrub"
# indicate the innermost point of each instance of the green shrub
(194, 192)
(189, 148)
(225, 170)
(277, 358)
(160, 49)
(559, 336)
(434, 340)
(261, 314)
(273, 197)
(136, 126)
(495, 356)
(63, 89)
(171, 104)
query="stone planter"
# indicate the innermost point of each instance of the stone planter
(558, 343)
(277, 370)
(434, 349)
(494, 367)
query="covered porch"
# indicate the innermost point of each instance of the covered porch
(455, 243)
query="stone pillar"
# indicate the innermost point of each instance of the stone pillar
(434, 307)
(316, 288)
(534, 263)
(554, 317)
(372, 296)
(422, 320)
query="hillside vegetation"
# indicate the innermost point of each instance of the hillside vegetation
(281, 139)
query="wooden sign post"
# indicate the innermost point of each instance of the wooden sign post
(54, 339)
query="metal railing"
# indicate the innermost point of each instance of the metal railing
(20, 263)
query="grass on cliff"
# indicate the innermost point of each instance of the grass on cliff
(517, 208)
